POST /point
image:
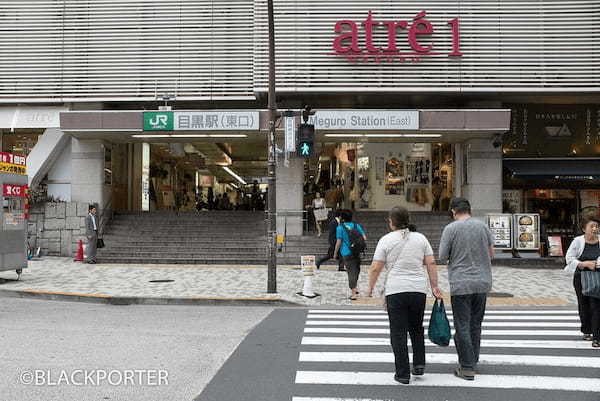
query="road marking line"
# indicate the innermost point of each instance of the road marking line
(346, 330)
(450, 317)
(426, 322)
(448, 380)
(488, 312)
(385, 341)
(484, 359)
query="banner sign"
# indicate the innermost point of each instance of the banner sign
(290, 134)
(201, 121)
(14, 191)
(360, 120)
(13, 164)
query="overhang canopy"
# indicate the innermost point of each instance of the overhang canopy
(541, 169)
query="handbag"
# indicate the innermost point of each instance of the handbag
(99, 243)
(590, 283)
(439, 326)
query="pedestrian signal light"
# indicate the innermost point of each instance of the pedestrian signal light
(306, 140)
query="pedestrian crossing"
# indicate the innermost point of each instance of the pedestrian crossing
(346, 355)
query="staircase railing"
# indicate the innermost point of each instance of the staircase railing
(106, 215)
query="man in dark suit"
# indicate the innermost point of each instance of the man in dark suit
(91, 232)
(332, 227)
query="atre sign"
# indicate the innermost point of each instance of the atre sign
(418, 31)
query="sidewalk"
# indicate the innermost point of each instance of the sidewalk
(61, 278)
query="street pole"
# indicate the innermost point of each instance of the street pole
(272, 207)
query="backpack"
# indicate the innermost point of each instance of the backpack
(357, 242)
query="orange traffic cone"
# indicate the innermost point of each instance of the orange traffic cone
(79, 256)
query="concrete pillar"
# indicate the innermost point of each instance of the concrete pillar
(87, 180)
(290, 182)
(483, 186)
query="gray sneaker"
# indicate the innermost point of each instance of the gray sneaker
(466, 374)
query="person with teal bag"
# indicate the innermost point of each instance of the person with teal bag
(403, 254)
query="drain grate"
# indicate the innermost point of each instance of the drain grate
(161, 281)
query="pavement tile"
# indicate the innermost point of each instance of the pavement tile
(528, 286)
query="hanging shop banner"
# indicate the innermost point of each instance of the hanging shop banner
(348, 120)
(201, 120)
(555, 247)
(501, 227)
(13, 164)
(14, 191)
(527, 231)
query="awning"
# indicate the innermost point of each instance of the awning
(588, 169)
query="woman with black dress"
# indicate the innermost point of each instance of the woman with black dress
(584, 254)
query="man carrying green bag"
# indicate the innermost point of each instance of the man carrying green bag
(439, 326)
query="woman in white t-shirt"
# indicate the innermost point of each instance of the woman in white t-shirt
(319, 211)
(404, 254)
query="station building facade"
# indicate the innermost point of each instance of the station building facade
(415, 102)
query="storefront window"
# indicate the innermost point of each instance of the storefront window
(18, 144)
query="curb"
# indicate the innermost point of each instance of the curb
(124, 300)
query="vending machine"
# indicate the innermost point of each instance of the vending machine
(13, 213)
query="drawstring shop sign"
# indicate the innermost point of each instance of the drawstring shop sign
(417, 32)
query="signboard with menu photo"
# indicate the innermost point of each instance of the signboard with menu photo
(527, 232)
(555, 247)
(501, 227)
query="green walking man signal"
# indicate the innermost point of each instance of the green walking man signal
(306, 140)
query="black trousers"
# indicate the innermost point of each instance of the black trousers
(468, 312)
(330, 256)
(353, 268)
(405, 312)
(589, 309)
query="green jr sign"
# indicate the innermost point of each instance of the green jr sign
(159, 121)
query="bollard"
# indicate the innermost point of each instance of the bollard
(308, 271)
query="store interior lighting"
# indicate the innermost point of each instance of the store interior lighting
(234, 175)
(383, 135)
(191, 136)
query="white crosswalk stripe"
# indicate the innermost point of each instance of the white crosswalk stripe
(343, 347)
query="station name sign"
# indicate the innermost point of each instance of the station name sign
(201, 120)
(418, 33)
(351, 120)
(13, 164)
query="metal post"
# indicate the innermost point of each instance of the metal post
(272, 207)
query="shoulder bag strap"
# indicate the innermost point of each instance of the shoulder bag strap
(400, 249)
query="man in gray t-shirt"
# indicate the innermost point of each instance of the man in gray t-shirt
(467, 245)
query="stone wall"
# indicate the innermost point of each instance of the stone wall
(58, 227)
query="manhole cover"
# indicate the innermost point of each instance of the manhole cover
(500, 295)
(161, 281)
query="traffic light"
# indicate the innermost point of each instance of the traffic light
(306, 140)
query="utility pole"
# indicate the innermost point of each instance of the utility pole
(272, 207)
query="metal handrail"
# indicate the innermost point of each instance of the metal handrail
(285, 214)
(105, 217)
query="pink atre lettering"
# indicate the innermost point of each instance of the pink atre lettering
(418, 36)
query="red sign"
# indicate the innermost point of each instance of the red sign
(346, 44)
(14, 191)
(13, 159)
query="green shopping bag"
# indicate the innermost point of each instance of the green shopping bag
(439, 327)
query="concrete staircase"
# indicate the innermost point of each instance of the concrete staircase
(375, 224)
(230, 238)
(215, 237)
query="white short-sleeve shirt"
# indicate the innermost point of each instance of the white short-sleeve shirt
(405, 266)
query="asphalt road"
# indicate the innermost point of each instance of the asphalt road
(344, 355)
(148, 353)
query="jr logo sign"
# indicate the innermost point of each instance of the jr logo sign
(419, 32)
(159, 121)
